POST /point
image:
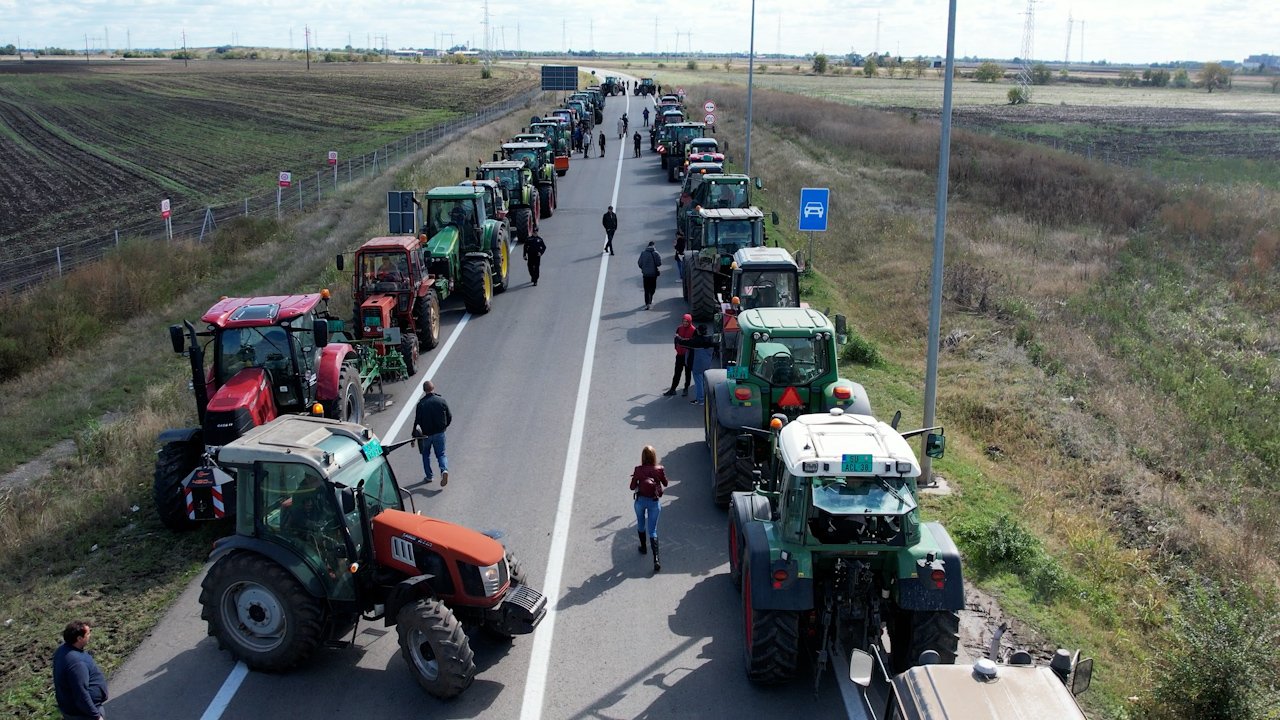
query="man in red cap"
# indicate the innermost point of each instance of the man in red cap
(683, 364)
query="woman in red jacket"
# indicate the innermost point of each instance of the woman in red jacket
(647, 481)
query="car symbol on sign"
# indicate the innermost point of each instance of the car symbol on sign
(813, 208)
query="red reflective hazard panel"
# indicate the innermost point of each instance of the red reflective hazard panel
(790, 398)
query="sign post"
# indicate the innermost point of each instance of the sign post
(333, 163)
(168, 219)
(286, 179)
(814, 207)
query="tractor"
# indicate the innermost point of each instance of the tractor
(829, 550)
(786, 364)
(556, 134)
(271, 357)
(762, 277)
(675, 143)
(395, 297)
(695, 172)
(712, 192)
(516, 180)
(538, 157)
(707, 267)
(323, 540)
(646, 87)
(612, 85)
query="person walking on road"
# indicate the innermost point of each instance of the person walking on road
(79, 686)
(647, 481)
(430, 419)
(602, 138)
(534, 248)
(700, 348)
(645, 115)
(684, 364)
(636, 139)
(625, 124)
(586, 144)
(610, 222)
(577, 139)
(622, 128)
(649, 263)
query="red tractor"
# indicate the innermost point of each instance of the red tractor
(271, 357)
(394, 294)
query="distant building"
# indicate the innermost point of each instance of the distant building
(408, 53)
(1259, 62)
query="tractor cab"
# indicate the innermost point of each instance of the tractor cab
(509, 175)
(495, 197)
(787, 363)
(701, 145)
(454, 217)
(647, 86)
(671, 100)
(695, 173)
(763, 277)
(535, 154)
(727, 230)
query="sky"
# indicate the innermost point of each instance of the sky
(1137, 31)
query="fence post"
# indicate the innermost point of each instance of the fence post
(317, 187)
(246, 207)
(58, 252)
(299, 194)
(117, 237)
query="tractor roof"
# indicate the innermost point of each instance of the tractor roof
(705, 168)
(324, 444)
(687, 124)
(839, 443)
(404, 243)
(259, 311)
(936, 691)
(708, 141)
(747, 213)
(729, 178)
(502, 165)
(525, 145)
(491, 184)
(757, 256)
(453, 192)
(788, 321)
(530, 137)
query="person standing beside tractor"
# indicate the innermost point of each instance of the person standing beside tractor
(622, 128)
(699, 348)
(534, 247)
(645, 115)
(684, 364)
(649, 262)
(647, 480)
(636, 139)
(602, 139)
(586, 144)
(430, 419)
(79, 686)
(610, 222)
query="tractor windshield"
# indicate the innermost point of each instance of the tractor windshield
(529, 156)
(379, 484)
(507, 178)
(263, 347)
(685, 134)
(790, 361)
(460, 213)
(726, 195)
(384, 271)
(732, 235)
(768, 288)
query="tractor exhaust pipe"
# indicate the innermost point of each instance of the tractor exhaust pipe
(196, 355)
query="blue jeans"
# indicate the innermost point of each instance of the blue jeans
(699, 386)
(425, 445)
(647, 510)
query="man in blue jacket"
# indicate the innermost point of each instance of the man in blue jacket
(78, 684)
(430, 419)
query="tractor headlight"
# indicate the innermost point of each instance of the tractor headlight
(491, 577)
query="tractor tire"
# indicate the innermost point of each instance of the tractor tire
(409, 349)
(477, 286)
(702, 295)
(522, 218)
(772, 639)
(515, 571)
(429, 321)
(726, 468)
(663, 159)
(915, 631)
(174, 461)
(349, 405)
(260, 612)
(671, 172)
(546, 198)
(436, 648)
(502, 266)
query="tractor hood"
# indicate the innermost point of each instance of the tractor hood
(243, 402)
(454, 542)
(245, 389)
(444, 243)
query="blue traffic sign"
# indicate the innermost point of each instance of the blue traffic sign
(813, 208)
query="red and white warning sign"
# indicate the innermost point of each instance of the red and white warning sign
(710, 119)
(709, 106)
(164, 208)
(286, 179)
(333, 157)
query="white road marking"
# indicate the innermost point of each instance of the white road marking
(535, 684)
(226, 692)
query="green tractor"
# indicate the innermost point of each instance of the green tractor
(675, 144)
(539, 158)
(762, 277)
(708, 260)
(829, 550)
(646, 87)
(612, 85)
(516, 180)
(710, 193)
(786, 364)
(557, 135)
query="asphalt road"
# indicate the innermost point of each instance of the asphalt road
(553, 395)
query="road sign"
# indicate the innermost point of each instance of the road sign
(286, 179)
(710, 119)
(709, 106)
(814, 203)
(333, 157)
(559, 77)
(164, 208)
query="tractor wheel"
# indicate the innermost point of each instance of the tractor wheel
(174, 461)
(913, 632)
(438, 652)
(772, 643)
(349, 405)
(523, 222)
(671, 171)
(409, 349)
(546, 197)
(726, 470)
(515, 571)
(663, 159)
(259, 611)
(429, 321)
(702, 295)
(477, 286)
(502, 266)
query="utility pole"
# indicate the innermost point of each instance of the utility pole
(486, 35)
(655, 34)
(306, 35)
(106, 34)
(591, 33)
(751, 72)
(564, 47)
(184, 47)
(518, 50)
(128, 40)
(290, 38)
(86, 47)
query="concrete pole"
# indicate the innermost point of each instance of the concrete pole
(751, 71)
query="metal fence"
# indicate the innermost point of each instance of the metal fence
(305, 193)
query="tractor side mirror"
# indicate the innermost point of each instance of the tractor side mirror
(897, 418)
(347, 497)
(321, 331)
(176, 338)
(759, 183)
(495, 157)
(860, 664)
(842, 329)
(773, 217)
(800, 265)
(1082, 677)
(744, 446)
(339, 261)
(935, 445)
(466, 172)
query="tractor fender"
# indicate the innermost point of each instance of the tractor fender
(919, 593)
(478, 256)
(332, 359)
(490, 233)
(746, 507)
(728, 414)
(179, 435)
(278, 554)
(407, 591)
(796, 593)
(860, 404)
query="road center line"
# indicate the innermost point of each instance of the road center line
(535, 684)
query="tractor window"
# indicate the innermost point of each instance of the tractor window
(527, 156)
(385, 271)
(768, 288)
(299, 510)
(263, 347)
(442, 213)
(790, 361)
(379, 486)
(730, 235)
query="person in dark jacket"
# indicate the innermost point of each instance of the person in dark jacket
(649, 262)
(636, 139)
(610, 222)
(684, 364)
(534, 247)
(645, 115)
(647, 481)
(78, 685)
(699, 357)
(430, 419)
(602, 138)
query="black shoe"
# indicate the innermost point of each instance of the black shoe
(535, 282)
(683, 393)
(656, 565)
(670, 392)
